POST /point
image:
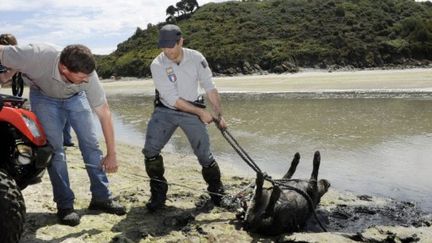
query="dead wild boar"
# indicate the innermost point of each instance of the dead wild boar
(280, 209)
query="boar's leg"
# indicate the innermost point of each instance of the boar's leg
(276, 192)
(316, 164)
(257, 201)
(312, 189)
(259, 182)
(293, 167)
(266, 220)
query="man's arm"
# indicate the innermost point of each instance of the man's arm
(5, 76)
(109, 163)
(214, 98)
(185, 106)
(203, 114)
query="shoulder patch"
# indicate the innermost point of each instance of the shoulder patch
(204, 64)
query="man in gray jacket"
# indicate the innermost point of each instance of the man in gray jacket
(64, 86)
(177, 74)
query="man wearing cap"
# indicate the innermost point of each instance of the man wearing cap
(64, 86)
(177, 74)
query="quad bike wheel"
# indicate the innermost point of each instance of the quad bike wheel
(12, 209)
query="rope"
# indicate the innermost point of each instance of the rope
(149, 179)
(240, 151)
(249, 161)
(182, 185)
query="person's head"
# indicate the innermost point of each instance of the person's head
(76, 63)
(8, 39)
(171, 41)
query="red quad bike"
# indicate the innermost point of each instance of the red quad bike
(24, 156)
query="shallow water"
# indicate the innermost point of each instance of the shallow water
(376, 146)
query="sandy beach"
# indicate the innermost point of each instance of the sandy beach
(348, 217)
(406, 80)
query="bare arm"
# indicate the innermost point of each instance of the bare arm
(6, 76)
(185, 106)
(214, 98)
(109, 162)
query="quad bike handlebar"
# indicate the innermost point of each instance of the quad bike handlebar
(12, 101)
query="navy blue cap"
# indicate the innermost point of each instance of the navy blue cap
(169, 35)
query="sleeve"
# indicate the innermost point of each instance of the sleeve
(167, 89)
(20, 58)
(95, 93)
(25, 59)
(205, 74)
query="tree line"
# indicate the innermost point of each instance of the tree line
(181, 9)
(285, 35)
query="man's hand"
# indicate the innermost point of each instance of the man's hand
(203, 114)
(220, 123)
(109, 164)
(205, 117)
(6, 76)
(3, 69)
(214, 98)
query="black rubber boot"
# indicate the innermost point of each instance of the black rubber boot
(212, 176)
(158, 183)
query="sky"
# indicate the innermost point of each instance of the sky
(98, 24)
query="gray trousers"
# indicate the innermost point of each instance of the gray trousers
(162, 125)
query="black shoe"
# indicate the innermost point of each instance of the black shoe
(108, 206)
(68, 216)
(68, 144)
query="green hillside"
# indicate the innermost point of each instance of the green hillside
(282, 35)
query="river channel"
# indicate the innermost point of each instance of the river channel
(375, 144)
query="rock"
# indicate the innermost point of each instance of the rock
(230, 71)
(278, 69)
(257, 67)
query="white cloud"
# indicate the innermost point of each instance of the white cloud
(100, 24)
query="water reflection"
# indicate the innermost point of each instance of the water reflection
(377, 146)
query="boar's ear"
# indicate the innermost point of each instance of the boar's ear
(323, 186)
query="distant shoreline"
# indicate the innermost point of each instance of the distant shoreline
(315, 81)
(394, 80)
(302, 71)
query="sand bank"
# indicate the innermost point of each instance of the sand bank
(406, 80)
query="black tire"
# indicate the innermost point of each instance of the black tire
(12, 210)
